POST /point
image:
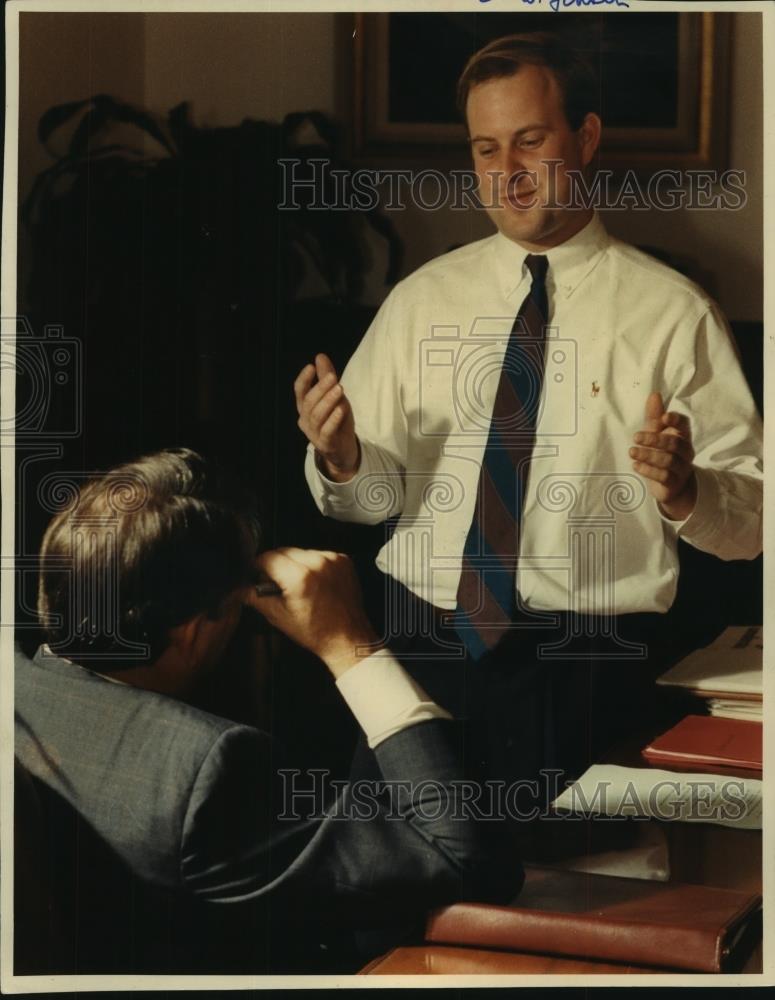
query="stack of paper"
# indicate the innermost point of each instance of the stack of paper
(728, 673)
(730, 708)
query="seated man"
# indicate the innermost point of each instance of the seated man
(141, 584)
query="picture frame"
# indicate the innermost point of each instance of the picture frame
(665, 77)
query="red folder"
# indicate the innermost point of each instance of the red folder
(709, 743)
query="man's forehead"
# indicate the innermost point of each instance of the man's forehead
(521, 95)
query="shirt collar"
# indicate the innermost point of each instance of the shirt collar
(569, 263)
(45, 653)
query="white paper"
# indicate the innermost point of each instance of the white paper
(732, 663)
(611, 790)
(729, 708)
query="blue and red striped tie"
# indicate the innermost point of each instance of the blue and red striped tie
(486, 596)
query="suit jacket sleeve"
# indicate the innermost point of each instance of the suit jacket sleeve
(423, 847)
(231, 849)
(405, 842)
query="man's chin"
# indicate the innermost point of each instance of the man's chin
(522, 225)
(539, 229)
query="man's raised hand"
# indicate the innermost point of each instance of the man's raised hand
(326, 418)
(663, 456)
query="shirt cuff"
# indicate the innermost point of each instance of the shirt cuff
(384, 699)
(332, 484)
(374, 494)
(330, 496)
(700, 522)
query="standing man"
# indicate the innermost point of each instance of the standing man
(543, 467)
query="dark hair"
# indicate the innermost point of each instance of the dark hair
(504, 57)
(141, 548)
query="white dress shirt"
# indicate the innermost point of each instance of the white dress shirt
(422, 387)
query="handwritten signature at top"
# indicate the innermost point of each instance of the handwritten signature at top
(558, 4)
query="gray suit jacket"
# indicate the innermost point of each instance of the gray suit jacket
(189, 801)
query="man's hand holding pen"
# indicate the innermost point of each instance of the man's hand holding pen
(316, 603)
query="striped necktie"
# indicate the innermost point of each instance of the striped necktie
(486, 597)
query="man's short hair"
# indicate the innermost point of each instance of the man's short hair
(505, 56)
(142, 548)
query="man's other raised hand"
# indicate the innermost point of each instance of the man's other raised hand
(326, 418)
(663, 456)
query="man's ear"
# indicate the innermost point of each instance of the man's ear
(589, 136)
(184, 637)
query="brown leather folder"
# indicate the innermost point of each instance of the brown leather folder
(601, 917)
(431, 960)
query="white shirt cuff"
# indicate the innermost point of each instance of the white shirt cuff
(332, 484)
(384, 699)
(705, 511)
(703, 521)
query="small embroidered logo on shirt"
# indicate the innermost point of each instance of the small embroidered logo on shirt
(595, 388)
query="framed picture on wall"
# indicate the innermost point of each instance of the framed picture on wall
(664, 82)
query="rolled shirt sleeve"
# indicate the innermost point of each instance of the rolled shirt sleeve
(727, 434)
(375, 492)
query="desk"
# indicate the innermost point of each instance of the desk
(698, 853)
(434, 960)
(695, 852)
(649, 850)
(705, 854)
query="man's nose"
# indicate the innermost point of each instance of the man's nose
(514, 162)
(515, 157)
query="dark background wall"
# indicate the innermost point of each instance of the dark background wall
(262, 66)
